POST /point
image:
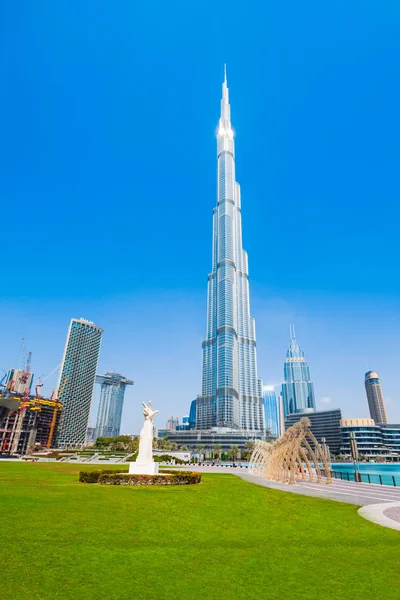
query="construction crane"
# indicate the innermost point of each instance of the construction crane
(54, 419)
(23, 354)
(27, 370)
(24, 378)
(41, 382)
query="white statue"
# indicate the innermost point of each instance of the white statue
(146, 435)
(144, 465)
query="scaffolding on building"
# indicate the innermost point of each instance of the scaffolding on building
(33, 423)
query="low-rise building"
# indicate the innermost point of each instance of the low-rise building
(161, 433)
(325, 424)
(222, 436)
(372, 439)
(391, 436)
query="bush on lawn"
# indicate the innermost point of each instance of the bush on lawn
(166, 478)
(116, 478)
(94, 476)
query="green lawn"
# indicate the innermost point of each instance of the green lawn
(224, 538)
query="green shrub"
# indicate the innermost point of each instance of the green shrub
(114, 477)
(171, 478)
(94, 476)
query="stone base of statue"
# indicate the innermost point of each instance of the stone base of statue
(143, 468)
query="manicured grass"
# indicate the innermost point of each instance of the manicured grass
(224, 538)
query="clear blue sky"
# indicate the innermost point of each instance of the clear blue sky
(108, 172)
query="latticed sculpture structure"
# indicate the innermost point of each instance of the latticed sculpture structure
(291, 457)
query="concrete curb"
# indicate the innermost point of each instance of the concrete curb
(375, 513)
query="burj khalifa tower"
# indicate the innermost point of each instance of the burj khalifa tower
(231, 390)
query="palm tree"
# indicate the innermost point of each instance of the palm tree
(250, 445)
(200, 449)
(234, 450)
(217, 451)
(165, 444)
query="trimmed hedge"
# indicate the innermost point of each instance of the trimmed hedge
(94, 476)
(123, 478)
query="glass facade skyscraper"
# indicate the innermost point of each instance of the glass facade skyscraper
(111, 404)
(271, 410)
(298, 389)
(77, 380)
(192, 414)
(376, 404)
(231, 390)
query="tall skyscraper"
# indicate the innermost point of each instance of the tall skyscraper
(376, 403)
(109, 415)
(77, 380)
(231, 390)
(271, 410)
(298, 389)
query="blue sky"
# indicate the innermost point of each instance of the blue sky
(108, 172)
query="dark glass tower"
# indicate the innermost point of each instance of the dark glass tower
(298, 389)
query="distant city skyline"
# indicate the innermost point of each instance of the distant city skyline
(116, 230)
(350, 397)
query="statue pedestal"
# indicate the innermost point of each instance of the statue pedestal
(143, 468)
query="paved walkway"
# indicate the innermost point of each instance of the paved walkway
(360, 494)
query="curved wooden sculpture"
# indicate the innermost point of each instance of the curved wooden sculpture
(291, 457)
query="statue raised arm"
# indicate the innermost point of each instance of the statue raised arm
(148, 412)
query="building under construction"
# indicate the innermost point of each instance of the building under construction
(27, 422)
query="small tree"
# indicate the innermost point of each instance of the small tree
(217, 451)
(200, 449)
(250, 445)
(233, 452)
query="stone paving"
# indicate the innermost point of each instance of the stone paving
(393, 513)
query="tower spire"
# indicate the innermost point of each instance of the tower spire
(225, 127)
